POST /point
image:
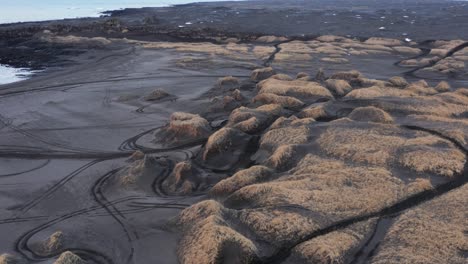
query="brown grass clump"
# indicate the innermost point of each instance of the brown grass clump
(283, 157)
(419, 185)
(302, 75)
(68, 257)
(334, 60)
(370, 114)
(296, 88)
(347, 76)
(237, 95)
(228, 82)
(221, 141)
(54, 243)
(442, 87)
(262, 74)
(199, 211)
(376, 91)
(283, 122)
(398, 81)
(185, 126)
(284, 136)
(183, 179)
(335, 247)
(407, 50)
(316, 112)
(284, 101)
(432, 233)
(383, 41)
(252, 175)
(282, 76)
(270, 39)
(254, 120)
(212, 240)
(338, 87)
(10, 259)
(157, 94)
(446, 161)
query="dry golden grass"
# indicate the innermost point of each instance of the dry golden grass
(346, 75)
(384, 145)
(432, 233)
(284, 136)
(296, 46)
(220, 140)
(419, 185)
(89, 42)
(333, 248)
(407, 50)
(332, 38)
(398, 81)
(376, 92)
(284, 101)
(283, 122)
(338, 87)
(10, 259)
(182, 180)
(185, 126)
(365, 82)
(68, 257)
(446, 161)
(270, 39)
(255, 120)
(199, 212)
(212, 240)
(383, 41)
(252, 175)
(282, 76)
(334, 60)
(456, 129)
(157, 94)
(288, 57)
(302, 75)
(54, 243)
(283, 157)
(237, 95)
(262, 74)
(443, 86)
(229, 81)
(316, 112)
(370, 114)
(296, 88)
(137, 155)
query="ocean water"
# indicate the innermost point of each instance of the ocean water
(39, 10)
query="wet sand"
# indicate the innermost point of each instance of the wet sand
(68, 133)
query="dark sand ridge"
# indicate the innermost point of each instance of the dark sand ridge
(62, 148)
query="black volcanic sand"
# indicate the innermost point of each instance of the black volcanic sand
(67, 133)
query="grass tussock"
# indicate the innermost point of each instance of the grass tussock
(334, 60)
(262, 74)
(283, 157)
(302, 75)
(338, 87)
(383, 41)
(68, 257)
(296, 88)
(54, 243)
(211, 240)
(281, 76)
(336, 247)
(370, 114)
(284, 136)
(10, 259)
(252, 175)
(443, 87)
(432, 233)
(285, 101)
(346, 75)
(398, 81)
(254, 120)
(183, 125)
(229, 82)
(157, 94)
(220, 141)
(293, 121)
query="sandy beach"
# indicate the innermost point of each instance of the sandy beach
(238, 132)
